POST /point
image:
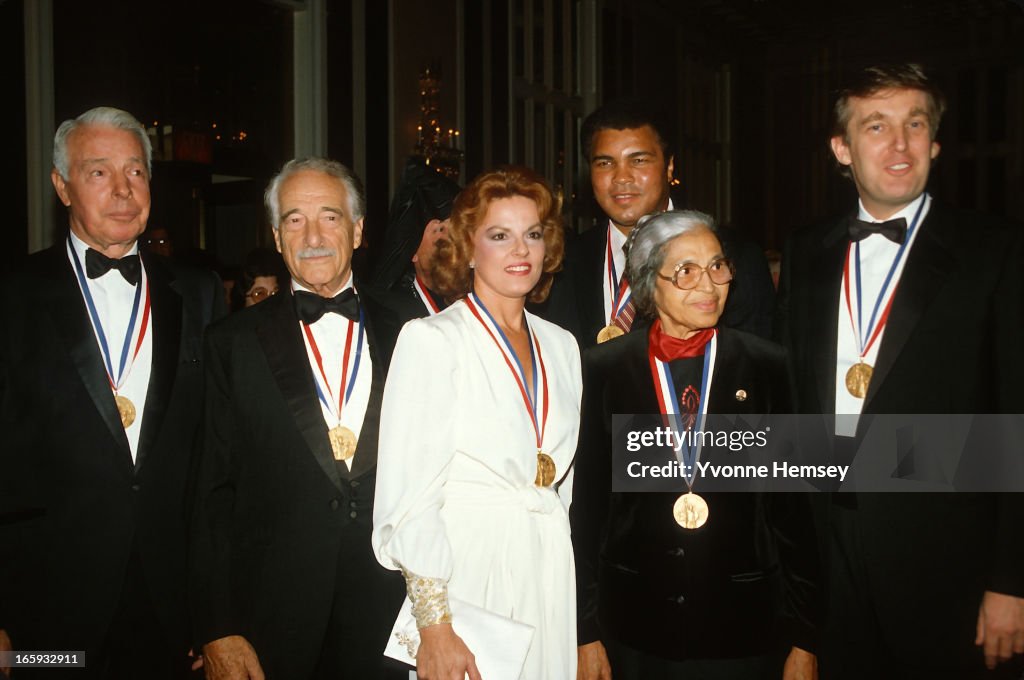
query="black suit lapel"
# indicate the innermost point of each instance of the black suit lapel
(632, 382)
(286, 355)
(70, 319)
(383, 323)
(929, 263)
(726, 378)
(366, 449)
(165, 329)
(590, 281)
(823, 311)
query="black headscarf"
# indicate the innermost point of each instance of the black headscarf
(423, 195)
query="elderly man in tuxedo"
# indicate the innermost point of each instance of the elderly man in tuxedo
(920, 585)
(285, 584)
(100, 365)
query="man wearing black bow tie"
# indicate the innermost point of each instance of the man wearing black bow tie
(100, 364)
(285, 581)
(910, 306)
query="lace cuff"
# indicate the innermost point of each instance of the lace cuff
(429, 597)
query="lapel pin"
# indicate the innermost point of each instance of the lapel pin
(741, 395)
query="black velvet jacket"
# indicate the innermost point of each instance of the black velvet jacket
(731, 588)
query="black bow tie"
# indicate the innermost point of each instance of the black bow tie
(311, 307)
(97, 264)
(894, 230)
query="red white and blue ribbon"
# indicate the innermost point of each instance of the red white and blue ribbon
(125, 363)
(866, 337)
(619, 291)
(349, 367)
(535, 400)
(665, 390)
(424, 295)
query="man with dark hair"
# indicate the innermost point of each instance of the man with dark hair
(284, 580)
(920, 585)
(630, 155)
(100, 365)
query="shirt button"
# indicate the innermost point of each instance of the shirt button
(353, 514)
(136, 487)
(334, 504)
(355, 483)
(352, 504)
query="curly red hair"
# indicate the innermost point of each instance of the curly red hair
(449, 268)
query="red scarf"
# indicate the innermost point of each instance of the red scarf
(668, 348)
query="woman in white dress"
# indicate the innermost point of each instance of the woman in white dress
(478, 431)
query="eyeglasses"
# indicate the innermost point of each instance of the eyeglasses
(260, 293)
(687, 275)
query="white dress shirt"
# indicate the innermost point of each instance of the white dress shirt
(113, 298)
(329, 333)
(877, 254)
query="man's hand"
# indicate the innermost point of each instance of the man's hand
(5, 646)
(592, 662)
(800, 665)
(231, 658)
(443, 655)
(1000, 627)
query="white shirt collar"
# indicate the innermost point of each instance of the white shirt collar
(906, 213)
(81, 247)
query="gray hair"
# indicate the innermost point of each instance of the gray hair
(101, 115)
(646, 250)
(353, 187)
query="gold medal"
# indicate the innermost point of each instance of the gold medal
(545, 470)
(343, 442)
(608, 332)
(125, 409)
(690, 511)
(858, 378)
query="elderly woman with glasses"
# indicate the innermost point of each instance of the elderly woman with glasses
(686, 585)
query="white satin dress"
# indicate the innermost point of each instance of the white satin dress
(455, 497)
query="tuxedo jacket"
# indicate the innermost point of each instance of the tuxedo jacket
(77, 504)
(275, 513)
(577, 297)
(732, 588)
(951, 345)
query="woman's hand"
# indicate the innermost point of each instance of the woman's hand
(443, 655)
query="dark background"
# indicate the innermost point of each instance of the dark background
(748, 85)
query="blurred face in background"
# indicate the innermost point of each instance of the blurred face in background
(262, 288)
(435, 230)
